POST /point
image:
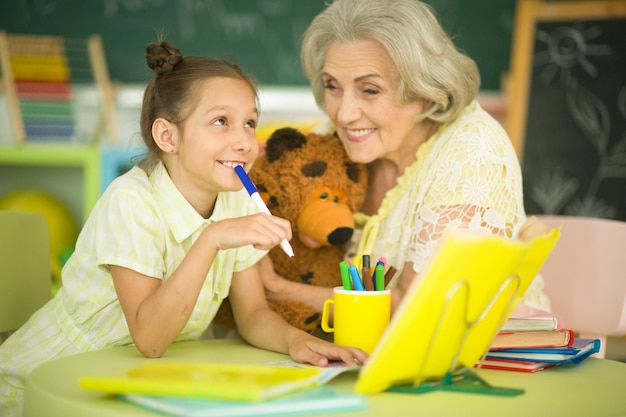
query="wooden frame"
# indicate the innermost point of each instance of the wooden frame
(9, 88)
(528, 14)
(101, 75)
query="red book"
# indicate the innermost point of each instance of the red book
(517, 366)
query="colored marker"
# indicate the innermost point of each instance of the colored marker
(389, 274)
(356, 279)
(356, 261)
(381, 262)
(254, 193)
(379, 275)
(367, 279)
(366, 275)
(345, 275)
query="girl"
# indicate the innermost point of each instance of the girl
(168, 240)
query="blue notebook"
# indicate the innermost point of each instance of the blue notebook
(306, 401)
(580, 350)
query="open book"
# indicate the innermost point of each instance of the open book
(449, 317)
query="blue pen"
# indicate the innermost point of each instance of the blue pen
(254, 193)
(381, 262)
(356, 279)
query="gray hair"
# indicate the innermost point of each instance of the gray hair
(430, 66)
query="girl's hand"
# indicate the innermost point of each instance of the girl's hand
(260, 230)
(309, 349)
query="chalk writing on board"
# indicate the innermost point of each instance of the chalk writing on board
(579, 165)
(211, 13)
(262, 35)
(267, 32)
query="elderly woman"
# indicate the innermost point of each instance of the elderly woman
(402, 99)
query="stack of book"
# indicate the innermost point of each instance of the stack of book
(536, 342)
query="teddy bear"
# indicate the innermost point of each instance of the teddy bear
(308, 180)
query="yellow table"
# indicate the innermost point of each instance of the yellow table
(597, 387)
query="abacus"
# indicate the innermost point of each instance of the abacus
(40, 74)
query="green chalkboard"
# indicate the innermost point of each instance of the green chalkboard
(262, 35)
(569, 119)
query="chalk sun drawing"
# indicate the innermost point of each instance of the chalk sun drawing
(568, 47)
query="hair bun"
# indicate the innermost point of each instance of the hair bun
(162, 57)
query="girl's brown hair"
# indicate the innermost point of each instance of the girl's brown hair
(173, 90)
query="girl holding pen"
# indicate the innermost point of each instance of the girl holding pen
(171, 238)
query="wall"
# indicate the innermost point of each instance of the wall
(262, 35)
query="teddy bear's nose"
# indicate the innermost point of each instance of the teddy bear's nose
(340, 235)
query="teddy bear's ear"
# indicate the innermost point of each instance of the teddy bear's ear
(282, 140)
(268, 188)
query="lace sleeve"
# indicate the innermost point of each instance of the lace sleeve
(472, 179)
(466, 176)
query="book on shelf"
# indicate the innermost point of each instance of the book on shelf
(514, 365)
(540, 338)
(234, 382)
(309, 401)
(580, 350)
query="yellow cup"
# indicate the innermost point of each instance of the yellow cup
(360, 317)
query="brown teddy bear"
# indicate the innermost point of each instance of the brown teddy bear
(308, 180)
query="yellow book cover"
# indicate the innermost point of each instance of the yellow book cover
(237, 382)
(449, 317)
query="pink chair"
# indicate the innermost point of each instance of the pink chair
(585, 276)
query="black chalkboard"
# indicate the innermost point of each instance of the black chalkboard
(262, 35)
(573, 142)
